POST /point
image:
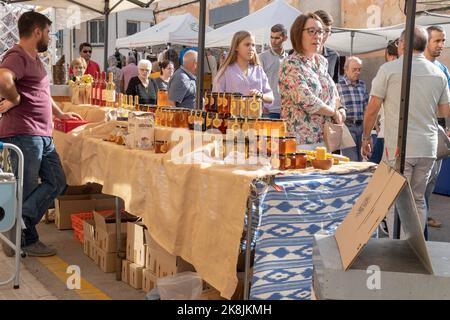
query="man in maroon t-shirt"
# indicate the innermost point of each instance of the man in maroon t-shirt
(26, 122)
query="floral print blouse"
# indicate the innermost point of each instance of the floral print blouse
(305, 86)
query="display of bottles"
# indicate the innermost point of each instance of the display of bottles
(102, 90)
(110, 97)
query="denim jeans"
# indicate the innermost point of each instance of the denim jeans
(378, 150)
(41, 162)
(272, 115)
(354, 153)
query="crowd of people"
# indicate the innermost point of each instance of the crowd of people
(302, 87)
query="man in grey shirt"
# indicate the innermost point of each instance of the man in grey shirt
(182, 85)
(429, 97)
(270, 61)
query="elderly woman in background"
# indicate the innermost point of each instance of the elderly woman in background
(117, 73)
(308, 93)
(142, 85)
(78, 67)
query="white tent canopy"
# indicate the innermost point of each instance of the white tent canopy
(369, 40)
(181, 29)
(258, 23)
(70, 13)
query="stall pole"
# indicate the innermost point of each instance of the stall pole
(201, 54)
(118, 240)
(410, 7)
(106, 38)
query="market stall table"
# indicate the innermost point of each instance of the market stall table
(195, 211)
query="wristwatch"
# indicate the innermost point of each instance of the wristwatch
(366, 138)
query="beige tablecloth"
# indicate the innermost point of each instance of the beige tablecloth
(87, 112)
(195, 211)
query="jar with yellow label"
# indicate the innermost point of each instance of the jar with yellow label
(243, 106)
(254, 107)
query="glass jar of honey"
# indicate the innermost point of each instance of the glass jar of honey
(226, 103)
(254, 107)
(213, 102)
(184, 118)
(290, 161)
(161, 146)
(300, 160)
(163, 98)
(235, 110)
(243, 106)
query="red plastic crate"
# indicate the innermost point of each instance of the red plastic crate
(67, 125)
(77, 222)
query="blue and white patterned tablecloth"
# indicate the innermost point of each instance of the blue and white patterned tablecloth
(288, 220)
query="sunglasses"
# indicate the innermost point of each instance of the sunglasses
(87, 51)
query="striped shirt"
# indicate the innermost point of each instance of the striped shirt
(354, 97)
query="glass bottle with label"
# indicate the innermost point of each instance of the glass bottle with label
(110, 91)
(102, 98)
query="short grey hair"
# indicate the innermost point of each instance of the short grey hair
(190, 55)
(350, 59)
(131, 59)
(420, 38)
(145, 63)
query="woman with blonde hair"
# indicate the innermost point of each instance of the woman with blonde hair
(241, 71)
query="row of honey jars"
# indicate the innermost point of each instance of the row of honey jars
(207, 120)
(172, 117)
(264, 127)
(246, 107)
(218, 101)
(274, 145)
(290, 161)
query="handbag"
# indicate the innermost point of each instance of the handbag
(443, 148)
(337, 136)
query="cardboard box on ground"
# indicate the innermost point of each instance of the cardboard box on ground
(79, 199)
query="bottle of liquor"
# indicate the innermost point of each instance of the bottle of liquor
(110, 91)
(136, 103)
(130, 102)
(98, 96)
(94, 89)
(103, 90)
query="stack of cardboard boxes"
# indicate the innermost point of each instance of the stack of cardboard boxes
(146, 260)
(100, 241)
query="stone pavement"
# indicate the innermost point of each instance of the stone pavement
(30, 287)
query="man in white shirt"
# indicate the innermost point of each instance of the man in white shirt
(270, 61)
(429, 96)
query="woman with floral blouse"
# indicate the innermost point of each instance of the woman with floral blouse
(308, 93)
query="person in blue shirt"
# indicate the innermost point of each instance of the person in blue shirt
(183, 51)
(435, 46)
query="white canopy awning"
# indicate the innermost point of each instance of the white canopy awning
(70, 13)
(358, 41)
(181, 29)
(258, 23)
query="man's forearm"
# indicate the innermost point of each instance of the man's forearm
(57, 112)
(8, 87)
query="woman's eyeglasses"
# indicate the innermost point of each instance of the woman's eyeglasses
(313, 31)
(393, 42)
(87, 51)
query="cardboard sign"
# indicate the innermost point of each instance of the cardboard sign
(369, 210)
